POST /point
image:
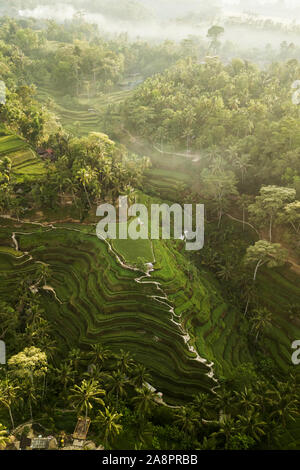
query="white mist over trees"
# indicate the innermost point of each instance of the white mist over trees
(250, 24)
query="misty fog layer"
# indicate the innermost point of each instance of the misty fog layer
(161, 20)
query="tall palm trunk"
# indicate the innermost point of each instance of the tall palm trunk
(270, 228)
(87, 195)
(30, 408)
(44, 386)
(256, 269)
(220, 217)
(11, 417)
(247, 305)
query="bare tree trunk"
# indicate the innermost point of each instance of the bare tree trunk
(256, 269)
(247, 305)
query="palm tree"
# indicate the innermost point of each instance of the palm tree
(95, 372)
(108, 421)
(213, 153)
(226, 271)
(233, 153)
(252, 424)
(85, 176)
(65, 374)
(117, 384)
(242, 162)
(290, 387)
(72, 186)
(261, 320)
(125, 362)
(285, 406)
(83, 395)
(44, 272)
(208, 444)
(3, 436)
(30, 393)
(247, 399)
(140, 376)
(217, 165)
(8, 395)
(248, 292)
(227, 428)
(144, 401)
(224, 401)
(187, 420)
(99, 354)
(75, 357)
(47, 344)
(201, 404)
(244, 201)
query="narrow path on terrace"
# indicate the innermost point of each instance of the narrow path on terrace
(144, 279)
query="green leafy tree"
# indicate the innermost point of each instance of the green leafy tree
(219, 186)
(291, 215)
(265, 253)
(31, 363)
(214, 33)
(269, 204)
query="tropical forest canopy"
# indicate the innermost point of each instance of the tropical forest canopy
(88, 115)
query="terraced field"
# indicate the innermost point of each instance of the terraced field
(80, 116)
(170, 175)
(213, 325)
(169, 321)
(165, 184)
(99, 300)
(24, 160)
(280, 289)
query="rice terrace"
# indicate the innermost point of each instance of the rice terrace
(117, 343)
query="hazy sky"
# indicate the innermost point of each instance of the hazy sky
(286, 8)
(161, 27)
